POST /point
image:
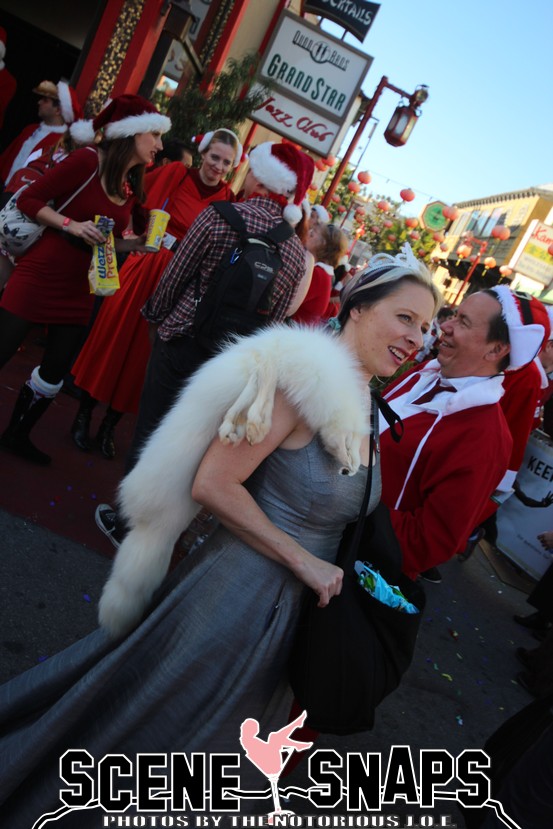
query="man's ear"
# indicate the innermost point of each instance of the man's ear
(497, 351)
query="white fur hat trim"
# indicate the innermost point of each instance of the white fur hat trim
(135, 124)
(82, 132)
(272, 173)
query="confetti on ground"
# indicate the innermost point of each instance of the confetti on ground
(458, 655)
(453, 633)
(42, 658)
(448, 677)
(94, 497)
(459, 719)
(86, 597)
(69, 488)
(436, 667)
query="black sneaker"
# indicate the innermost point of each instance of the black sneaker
(472, 543)
(534, 621)
(433, 575)
(106, 520)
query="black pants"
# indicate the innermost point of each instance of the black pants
(170, 366)
(541, 596)
(61, 342)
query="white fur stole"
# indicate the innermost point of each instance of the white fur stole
(233, 394)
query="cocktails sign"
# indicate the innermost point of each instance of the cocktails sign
(356, 16)
(313, 80)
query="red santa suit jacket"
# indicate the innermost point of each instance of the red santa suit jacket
(34, 137)
(453, 454)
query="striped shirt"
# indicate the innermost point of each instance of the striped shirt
(207, 243)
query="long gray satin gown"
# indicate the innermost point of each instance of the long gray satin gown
(211, 653)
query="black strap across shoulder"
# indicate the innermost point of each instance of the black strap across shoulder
(230, 214)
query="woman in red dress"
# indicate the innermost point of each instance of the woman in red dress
(328, 244)
(49, 285)
(112, 363)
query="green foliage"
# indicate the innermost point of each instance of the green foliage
(227, 103)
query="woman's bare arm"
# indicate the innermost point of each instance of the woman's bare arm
(218, 486)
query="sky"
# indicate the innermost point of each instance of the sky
(487, 126)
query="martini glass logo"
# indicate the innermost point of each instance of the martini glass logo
(271, 755)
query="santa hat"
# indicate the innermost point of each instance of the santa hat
(286, 171)
(123, 117)
(203, 142)
(322, 213)
(71, 109)
(528, 322)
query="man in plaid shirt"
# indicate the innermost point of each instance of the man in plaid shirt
(278, 173)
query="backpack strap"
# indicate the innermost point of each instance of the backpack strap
(231, 216)
(280, 233)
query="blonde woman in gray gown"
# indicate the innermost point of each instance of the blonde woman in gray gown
(262, 437)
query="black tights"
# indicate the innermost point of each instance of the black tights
(61, 344)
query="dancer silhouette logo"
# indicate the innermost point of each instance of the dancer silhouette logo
(198, 789)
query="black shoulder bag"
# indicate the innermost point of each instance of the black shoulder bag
(347, 657)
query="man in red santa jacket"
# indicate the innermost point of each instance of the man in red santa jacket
(57, 108)
(457, 445)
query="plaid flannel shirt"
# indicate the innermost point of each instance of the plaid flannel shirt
(207, 242)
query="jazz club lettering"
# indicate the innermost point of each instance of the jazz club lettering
(317, 130)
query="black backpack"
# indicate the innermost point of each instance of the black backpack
(238, 299)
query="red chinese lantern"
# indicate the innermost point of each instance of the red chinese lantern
(506, 271)
(354, 186)
(336, 199)
(392, 237)
(443, 246)
(383, 205)
(360, 210)
(421, 252)
(374, 229)
(407, 194)
(450, 213)
(415, 235)
(313, 186)
(463, 251)
(411, 222)
(490, 262)
(438, 236)
(341, 208)
(501, 232)
(320, 165)
(364, 177)
(330, 160)
(387, 223)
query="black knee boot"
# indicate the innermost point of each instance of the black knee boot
(81, 424)
(104, 438)
(27, 411)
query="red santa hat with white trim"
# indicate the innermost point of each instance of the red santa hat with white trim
(528, 324)
(123, 117)
(71, 109)
(286, 171)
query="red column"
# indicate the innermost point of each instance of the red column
(139, 52)
(141, 47)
